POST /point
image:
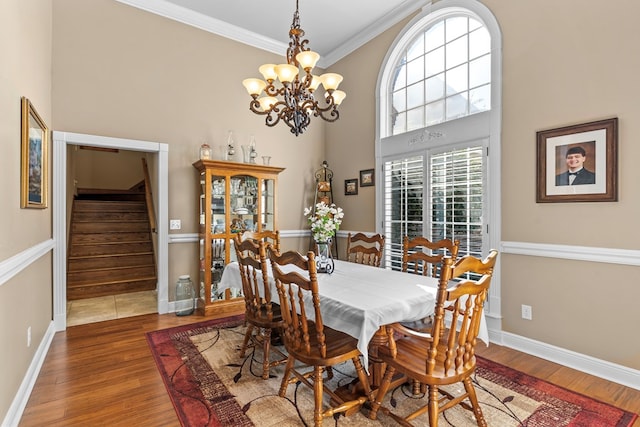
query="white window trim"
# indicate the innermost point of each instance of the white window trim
(437, 134)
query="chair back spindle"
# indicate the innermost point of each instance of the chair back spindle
(422, 256)
(363, 249)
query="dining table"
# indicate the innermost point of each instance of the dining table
(359, 299)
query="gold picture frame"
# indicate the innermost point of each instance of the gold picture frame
(595, 176)
(34, 158)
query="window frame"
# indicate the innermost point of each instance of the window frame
(479, 126)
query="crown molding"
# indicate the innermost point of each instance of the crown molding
(180, 14)
(207, 23)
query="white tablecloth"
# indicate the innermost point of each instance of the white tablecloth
(359, 299)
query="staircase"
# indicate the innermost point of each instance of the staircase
(110, 245)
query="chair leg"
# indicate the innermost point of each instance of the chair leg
(477, 411)
(364, 379)
(266, 348)
(247, 336)
(382, 391)
(285, 376)
(317, 396)
(433, 406)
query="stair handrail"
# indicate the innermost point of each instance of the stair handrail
(148, 195)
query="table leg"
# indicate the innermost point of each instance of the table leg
(376, 366)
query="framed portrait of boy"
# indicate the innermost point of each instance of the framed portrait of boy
(578, 163)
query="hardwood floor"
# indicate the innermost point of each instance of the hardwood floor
(103, 374)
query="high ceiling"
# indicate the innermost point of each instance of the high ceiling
(334, 27)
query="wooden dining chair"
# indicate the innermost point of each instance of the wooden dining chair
(422, 256)
(308, 340)
(269, 236)
(446, 355)
(260, 312)
(364, 249)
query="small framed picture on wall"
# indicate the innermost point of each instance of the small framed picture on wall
(367, 179)
(350, 187)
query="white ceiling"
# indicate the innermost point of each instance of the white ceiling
(334, 28)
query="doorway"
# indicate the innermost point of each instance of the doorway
(158, 159)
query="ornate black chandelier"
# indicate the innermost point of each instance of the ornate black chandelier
(292, 100)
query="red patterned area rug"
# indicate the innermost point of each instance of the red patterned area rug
(210, 385)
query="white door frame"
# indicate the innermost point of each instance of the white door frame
(61, 140)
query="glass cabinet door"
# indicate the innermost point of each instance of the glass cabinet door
(218, 232)
(244, 203)
(268, 204)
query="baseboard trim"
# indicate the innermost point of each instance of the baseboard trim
(600, 368)
(24, 392)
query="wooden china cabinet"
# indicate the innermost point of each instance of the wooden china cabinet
(234, 198)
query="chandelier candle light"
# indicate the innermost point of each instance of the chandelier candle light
(293, 101)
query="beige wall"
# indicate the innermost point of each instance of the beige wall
(121, 72)
(25, 298)
(563, 63)
(104, 169)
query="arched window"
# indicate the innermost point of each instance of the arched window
(444, 73)
(438, 144)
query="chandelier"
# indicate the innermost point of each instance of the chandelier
(292, 100)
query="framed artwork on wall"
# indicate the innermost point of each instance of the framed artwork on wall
(578, 163)
(350, 187)
(367, 179)
(34, 151)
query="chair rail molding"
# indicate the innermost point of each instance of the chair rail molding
(14, 265)
(578, 253)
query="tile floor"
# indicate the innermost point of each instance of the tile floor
(91, 310)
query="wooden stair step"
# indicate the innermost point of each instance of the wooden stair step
(114, 288)
(103, 238)
(97, 249)
(108, 275)
(106, 216)
(115, 226)
(109, 261)
(99, 205)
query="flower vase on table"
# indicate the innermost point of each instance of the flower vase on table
(324, 260)
(324, 220)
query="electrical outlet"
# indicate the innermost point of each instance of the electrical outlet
(175, 224)
(527, 312)
(29, 336)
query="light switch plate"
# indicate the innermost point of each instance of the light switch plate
(174, 224)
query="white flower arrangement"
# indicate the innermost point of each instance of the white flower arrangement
(325, 222)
